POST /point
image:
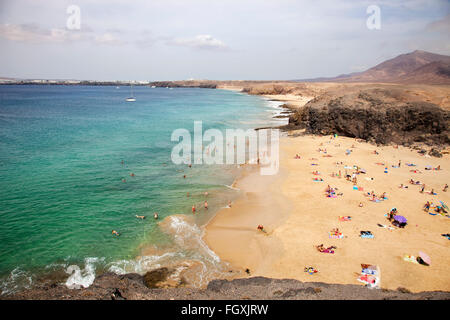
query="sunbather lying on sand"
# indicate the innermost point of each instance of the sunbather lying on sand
(322, 249)
(260, 227)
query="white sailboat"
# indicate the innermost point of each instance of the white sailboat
(131, 98)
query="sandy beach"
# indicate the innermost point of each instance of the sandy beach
(297, 216)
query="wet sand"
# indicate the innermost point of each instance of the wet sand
(297, 215)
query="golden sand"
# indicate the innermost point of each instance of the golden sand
(297, 216)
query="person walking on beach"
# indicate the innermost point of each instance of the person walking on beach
(445, 188)
(423, 188)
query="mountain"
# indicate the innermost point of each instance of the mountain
(415, 67)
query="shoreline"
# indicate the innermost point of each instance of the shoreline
(289, 247)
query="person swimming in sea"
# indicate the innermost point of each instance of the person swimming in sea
(155, 215)
(114, 232)
(140, 217)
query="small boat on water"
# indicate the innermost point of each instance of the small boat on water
(131, 98)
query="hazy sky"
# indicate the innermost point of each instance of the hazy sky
(212, 39)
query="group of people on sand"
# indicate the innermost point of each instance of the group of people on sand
(437, 208)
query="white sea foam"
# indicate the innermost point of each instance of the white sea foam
(230, 187)
(82, 278)
(16, 280)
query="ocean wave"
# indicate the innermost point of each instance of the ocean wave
(231, 187)
(82, 278)
(18, 279)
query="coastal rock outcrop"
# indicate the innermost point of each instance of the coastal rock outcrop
(374, 116)
(110, 286)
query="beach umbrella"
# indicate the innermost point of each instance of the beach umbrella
(443, 204)
(425, 257)
(400, 219)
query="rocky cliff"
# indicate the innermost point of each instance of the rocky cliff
(374, 115)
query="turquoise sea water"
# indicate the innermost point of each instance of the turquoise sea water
(61, 153)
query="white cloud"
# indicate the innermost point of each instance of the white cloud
(202, 41)
(442, 25)
(32, 33)
(108, 38)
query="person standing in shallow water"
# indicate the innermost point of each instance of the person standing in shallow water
(193, 209)
(206, 205)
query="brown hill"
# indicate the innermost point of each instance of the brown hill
(415, 67)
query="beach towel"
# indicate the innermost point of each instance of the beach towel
(370, 276)
(409, 258)
(345, 218)
(311, 270)
(366, 235)
(335, 236)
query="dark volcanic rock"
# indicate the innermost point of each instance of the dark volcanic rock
(131, 287)
(154, 278)
(369, 116)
